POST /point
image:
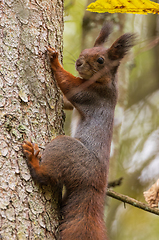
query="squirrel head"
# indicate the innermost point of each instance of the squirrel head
(94, 59)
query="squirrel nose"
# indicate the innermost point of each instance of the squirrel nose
(79, 62)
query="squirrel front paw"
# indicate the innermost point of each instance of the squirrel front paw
(31, 151)
(52, 52)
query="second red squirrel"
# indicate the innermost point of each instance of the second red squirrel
(81, 162)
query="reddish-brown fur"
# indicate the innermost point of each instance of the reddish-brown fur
(81, 163)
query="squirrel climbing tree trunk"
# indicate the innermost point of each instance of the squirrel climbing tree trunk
(30, 108)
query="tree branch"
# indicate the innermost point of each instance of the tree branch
(132, 202)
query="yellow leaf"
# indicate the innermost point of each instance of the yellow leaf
(124, 6)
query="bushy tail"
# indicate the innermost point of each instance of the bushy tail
(83, 216)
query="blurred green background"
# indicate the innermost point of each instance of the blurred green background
(135, 151)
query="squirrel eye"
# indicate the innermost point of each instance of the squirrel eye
(100, 60)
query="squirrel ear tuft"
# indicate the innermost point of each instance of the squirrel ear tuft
(121, 46)
(103, 35)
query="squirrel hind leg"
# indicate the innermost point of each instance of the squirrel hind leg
(37, 171)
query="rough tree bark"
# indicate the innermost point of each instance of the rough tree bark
(30, 108)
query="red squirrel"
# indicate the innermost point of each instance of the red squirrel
(81, 162)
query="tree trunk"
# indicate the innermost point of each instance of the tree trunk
(30, 108)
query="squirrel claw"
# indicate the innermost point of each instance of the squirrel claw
(53, 53)
(30, 150)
